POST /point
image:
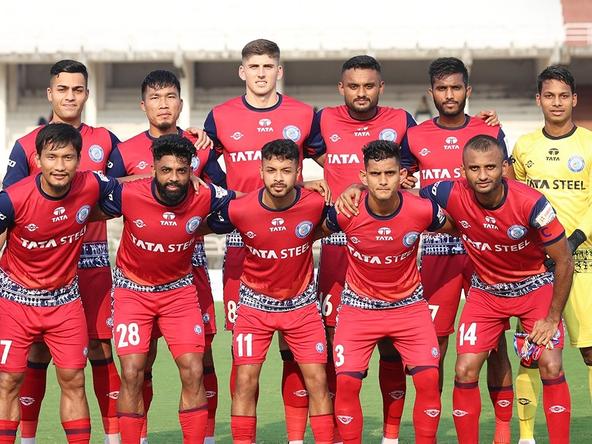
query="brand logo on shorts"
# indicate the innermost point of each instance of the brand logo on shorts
(277, 224)
(397, 394)
(96, 153)
(192, 224)
(410, 238)
(432, 413)
(27, 400)
(139, 223)
(435, 352)
(60, 214)
(384, 234)
(345, 419)
(291, 132)
(320, 348)
(31, 227)
(237, 135)
(210, 394)
(141, 165)
(459, 413)
(516, 232)
(334, 138)
(388, 134)
(82, 214)
(206, 318)
(504, 403)
(168, 219)
(113, 395)
(576, 163)
(557, 409)
(424, 152)
(300, 393)
(303, 229)
(195, 162)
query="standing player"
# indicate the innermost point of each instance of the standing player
(382, 297)
(238, 128)
(154, 283)
(38, 284)
(162, 103)
(67, 93)
(277, 290)
(557, 161)
(506, 228)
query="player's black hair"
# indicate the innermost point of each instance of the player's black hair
(58, 135)
(361, 62)
(378, 150)
(445, 66)
(70, 66)
(173, 145)
(556, 72)
(160, 78)
(261, 47)
(482, 143)
(284, 149)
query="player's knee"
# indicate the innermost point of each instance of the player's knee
(132, 375)
(466, 371)
(191, 371)
(550, 368)
(71, 380)
(316, 383)
(246, 383)
(10, 383)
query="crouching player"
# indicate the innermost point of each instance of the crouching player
(383, 296)
(277, 290)
(506, 228)
(153, 282)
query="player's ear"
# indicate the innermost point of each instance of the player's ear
(469, 91)
(38, 159)
(505, 165)
(241, 72)
(261, 171)
(574, 100)
(280, 72)
(340, 88)
(403, 173)
(49, 96)
(462, 171)
(364, 177)
(538, 99)
(143, 105)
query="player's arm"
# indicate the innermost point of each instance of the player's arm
(315, 144)
(109, 203)
(212, 132)
(349, 201)
(18, 166)
(213, 172)
(218, 222)
(6, 213)
(517, 164)
(410, 163)
(441, 222)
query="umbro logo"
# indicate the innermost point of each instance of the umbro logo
(27, 400)
(300, 393)
(113, 395)
(459, 413)
(397, 394)
(344, 419)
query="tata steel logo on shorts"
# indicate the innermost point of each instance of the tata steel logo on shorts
(576, 163)
(192, 224)
(320, 348)
(291, 132)
(384, 234)
(362, 132)
(265, 126)
(237, 135)
(334, 138)
(277, 224)
(344, 419)
(31, 227)
(60, 214)
(142, 165)
(517, 232)
(197, 329)
(168, 219)
(451, 143)
(96, 153)
(388, 134)
(82, 214)
(303, 229)
(410, 238)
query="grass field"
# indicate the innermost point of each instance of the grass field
(164, 428)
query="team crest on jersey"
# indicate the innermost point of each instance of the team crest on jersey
(292, 132)
(85, 352)
(410, 238)
(303, 229)
(192, 224)
(320, 348)
(96, 153)
(388, 134)
(82, 214)
(197, 329)
(195, 163)
(576, 163)
(516, 232)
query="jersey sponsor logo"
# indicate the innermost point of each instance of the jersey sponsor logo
(11, 163)
(500, 248)
(157, 247)
(440, 173)
(451, 143)
(576, 163)
(388, 134)
(291, 132)
(60, 214)
(53, 242)
(362, 132)
(195, 162)
(334, 138)
(303, 229)
(378, 260)
(424, 152)
(410, 238)
(284, 253)
(459, 413)
(82, 214)
(553, 155)
(277, 225)
(320, 348)
(345, 419)
(27, 400)
(31, 227)
(197, 329)
(384, 234)
(341, 159)
(264, 126)
(192, 224)
(556, 184)
(516, 232)
(490, 223)
(432, 413)
(545, 216)
(139, 223)
(142, 164)
(237, 135)
(243, 156)
(96, 153)
(168, 219)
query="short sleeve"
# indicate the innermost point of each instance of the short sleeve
(332, 222)
(111, 203)
(438, 193)
(544, 219)
(6, 212)
(18, 166)
(438, 217)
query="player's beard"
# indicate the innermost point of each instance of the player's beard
(444, 112)
(165, 126)
(171, 197)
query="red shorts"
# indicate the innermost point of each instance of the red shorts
(233, 269)
(485, 317)
(175, 311)
(332, 269)
(62, 328)
(205, 298)
(302, 329)
(443, 278)
(409, 327)
(95, 291)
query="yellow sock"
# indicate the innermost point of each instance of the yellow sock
(528, 387)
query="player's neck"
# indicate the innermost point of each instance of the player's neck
(278, 203)
(383, 207)
(76, 122)
(451, 121)
(366, 115)
(262, 101)
(156, 132)
(559, 130)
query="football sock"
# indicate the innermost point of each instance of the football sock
(243, 429)
(502, 399)
(295, 398)
(77, 430)
(392, 380)
(322, 428)
(211, 387)
(106, 385)
(348, 410)
(466, 409)
(426, 411)
(528, 387)
(8, 431)
(193, 424)
(147, 395)
(130, 427)
(31, 395)
(557, 404)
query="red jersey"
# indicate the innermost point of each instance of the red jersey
(382, 250)
(279, 242)
(506, 243)
(343, 138)
(97, 144)
(45, 234)
(157, 240)
(437, 151)
(240, 130)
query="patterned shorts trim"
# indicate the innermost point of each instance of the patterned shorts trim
(339, 239)
(441, 244)
(94, 255)
(351, 298)
(514, 289)
(250, 298)
(583, 261)
(15, 292)
(120, 281)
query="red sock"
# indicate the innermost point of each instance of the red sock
(147, 395)
(392, 379)
(130, 427)
(322, 428)
(426, 411)
(332, 384)
(348, 410)
(243, 428)
(557, 404)
(77, 430)
(31, 396)
(466, 409)
(211, 386)
(193, 424)
(106, 384)
(295, 397)
(8, 430)
(503, 400)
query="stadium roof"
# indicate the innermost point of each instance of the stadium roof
(111, 30)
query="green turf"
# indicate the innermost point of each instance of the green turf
(164, 428)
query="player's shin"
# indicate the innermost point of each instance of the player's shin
(426, 412)
(392, 380)
(502, 399)
(348, 409)
(466, 409)
(295, 398)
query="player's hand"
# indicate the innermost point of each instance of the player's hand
(197, 182)
(489, 117)
(408, 182)
(203, 141)
(347, 203)
(320, 186)
(543, 331)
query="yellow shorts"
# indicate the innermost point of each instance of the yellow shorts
(578, 311)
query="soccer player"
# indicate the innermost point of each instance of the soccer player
(238, 128)
(162, 103)
(506, 228)
(154, 283)
(277, 290)
(382, 297)
(67, 94)
(46, 217)
(557, 161)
